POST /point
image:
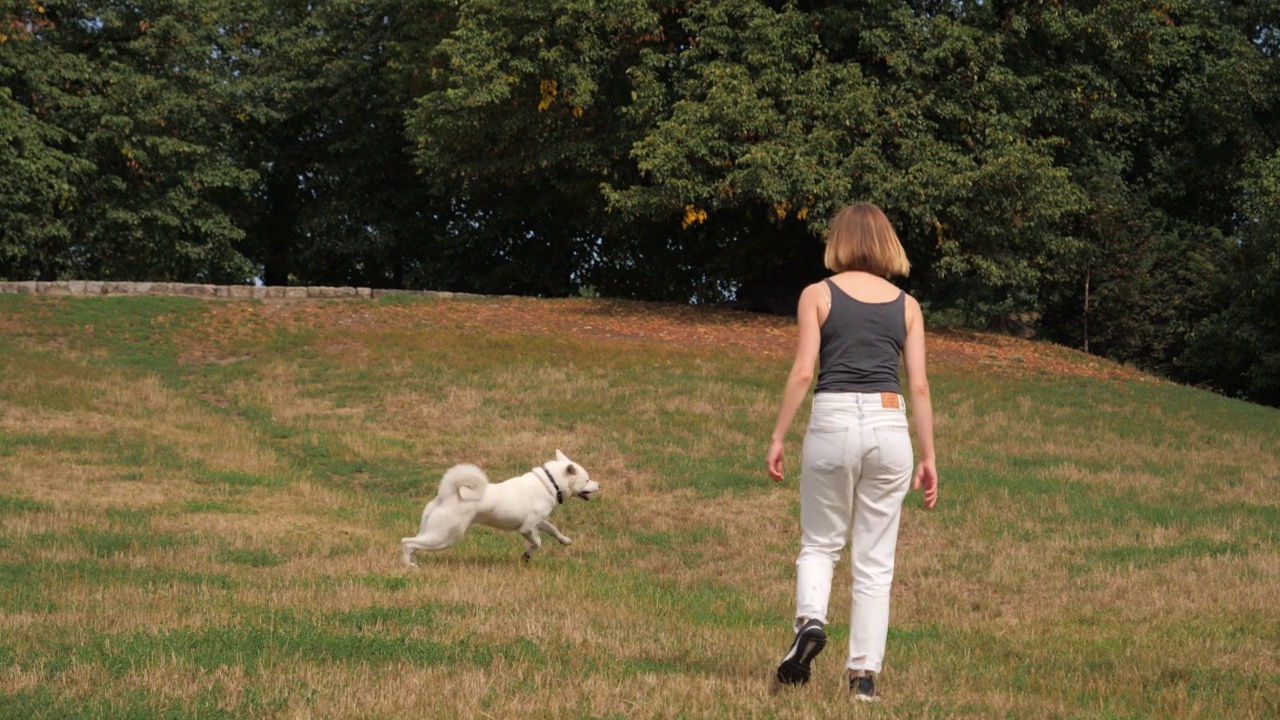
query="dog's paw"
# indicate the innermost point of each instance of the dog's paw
(565, 541)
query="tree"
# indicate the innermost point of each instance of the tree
(1237, 349)
(320, 121)
(38, 177)
(518, 124)
(1103, 166)
(121, 114)
(747, 138)
(1160, 110)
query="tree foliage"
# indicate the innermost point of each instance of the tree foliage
(518, 125)
(1236, 347)
(1105, 168)
(118, 107)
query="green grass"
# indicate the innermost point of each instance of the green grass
(201, 503)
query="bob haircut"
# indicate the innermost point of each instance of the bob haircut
(861, 238)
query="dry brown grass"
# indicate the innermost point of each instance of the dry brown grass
(219, 536)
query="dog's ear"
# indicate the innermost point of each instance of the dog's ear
(571, 469)
(561, 456)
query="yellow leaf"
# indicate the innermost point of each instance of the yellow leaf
(693, 216)
(549, 89)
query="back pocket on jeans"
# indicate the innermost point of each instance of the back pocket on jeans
(893, 445)
(824, 448)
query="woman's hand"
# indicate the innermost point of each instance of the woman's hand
(927, 479)
(774, 460)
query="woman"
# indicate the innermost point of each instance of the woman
(857, 456)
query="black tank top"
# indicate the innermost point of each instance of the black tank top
(861, 344)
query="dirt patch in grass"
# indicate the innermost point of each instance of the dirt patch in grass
(665, 323)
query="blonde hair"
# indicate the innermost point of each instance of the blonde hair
(861, 238)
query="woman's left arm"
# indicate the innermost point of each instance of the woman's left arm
(926, 476)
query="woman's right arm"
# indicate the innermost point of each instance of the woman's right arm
(926, 476)
(801, 376)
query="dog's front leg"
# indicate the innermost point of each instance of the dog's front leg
(535, 542)
(549, 528)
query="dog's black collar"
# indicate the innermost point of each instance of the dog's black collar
(552, 478)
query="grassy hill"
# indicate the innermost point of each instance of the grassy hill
(201, 504)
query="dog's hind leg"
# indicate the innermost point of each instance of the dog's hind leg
(406, 553)
(440, 530)
(426, 513)
(549, 528)
(407, 547)
(423, 542)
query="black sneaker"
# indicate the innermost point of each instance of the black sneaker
(810, 639)
(863, 688)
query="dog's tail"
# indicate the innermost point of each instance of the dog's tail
(464, 482)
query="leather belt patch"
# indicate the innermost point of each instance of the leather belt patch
(889, 400)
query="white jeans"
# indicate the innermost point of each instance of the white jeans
(855, 471)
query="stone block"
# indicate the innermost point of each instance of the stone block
(195, 290)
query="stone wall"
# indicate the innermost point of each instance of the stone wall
(83, 288)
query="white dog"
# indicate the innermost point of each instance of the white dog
(522, 504)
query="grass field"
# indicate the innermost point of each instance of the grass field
(201, 503)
